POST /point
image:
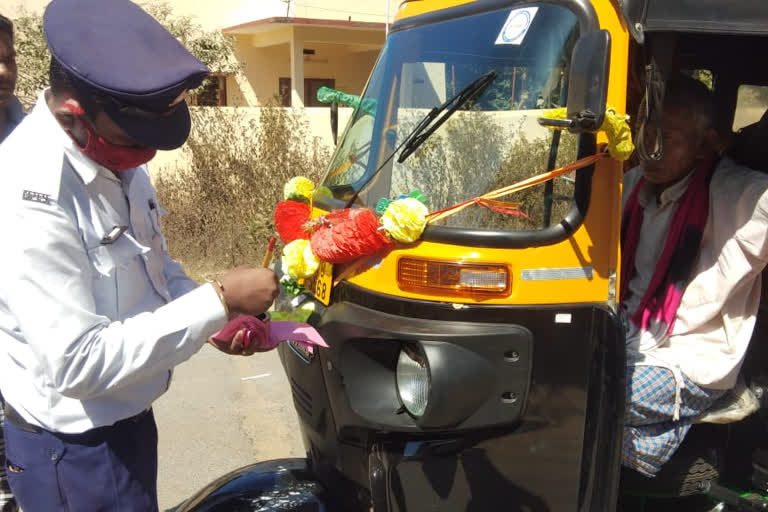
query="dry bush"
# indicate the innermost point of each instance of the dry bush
(525, 159)
(457, 162)
(32, 57)
(220, 206)
(474, 155)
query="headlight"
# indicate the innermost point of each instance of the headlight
(413, 381)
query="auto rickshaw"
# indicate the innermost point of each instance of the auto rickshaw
(482, 368)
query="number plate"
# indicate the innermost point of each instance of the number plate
(323, 283)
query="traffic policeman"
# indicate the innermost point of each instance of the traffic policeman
(94, 314)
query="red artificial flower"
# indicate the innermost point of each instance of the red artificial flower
(290, 218)
(348, 234)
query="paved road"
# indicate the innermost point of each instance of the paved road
(222, 413)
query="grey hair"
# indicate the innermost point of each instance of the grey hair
(688, 94)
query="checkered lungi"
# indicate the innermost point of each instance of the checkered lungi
(7, 503)
(651, 435)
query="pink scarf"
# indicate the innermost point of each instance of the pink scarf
(673, 271)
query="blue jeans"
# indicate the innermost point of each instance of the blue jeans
(105, 469)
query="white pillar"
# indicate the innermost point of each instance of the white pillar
(297, 72)
(386, 27)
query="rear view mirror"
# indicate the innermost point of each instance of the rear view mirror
(587, 84)
(588, 81)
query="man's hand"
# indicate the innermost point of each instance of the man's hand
(236, 348)
(249, 290)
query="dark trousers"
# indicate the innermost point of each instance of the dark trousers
(105, 469)
(7, 502)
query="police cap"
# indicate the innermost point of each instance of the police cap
(139, 72)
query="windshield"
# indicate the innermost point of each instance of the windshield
(491, 141)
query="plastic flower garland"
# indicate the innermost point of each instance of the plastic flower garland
(405, 219)
(343, 235)
(298, 260)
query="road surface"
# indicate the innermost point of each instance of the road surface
(221, 413)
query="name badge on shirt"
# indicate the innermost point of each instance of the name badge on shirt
(113, 235)
(36, 197)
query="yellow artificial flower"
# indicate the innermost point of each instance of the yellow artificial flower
(405, 219)
(616, 127)
(299, 188)
(299, 262)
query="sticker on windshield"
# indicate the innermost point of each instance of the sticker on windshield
(517, 25)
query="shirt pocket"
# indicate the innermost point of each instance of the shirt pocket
(155, 260)
(158, 240)
(116, 283)
(107, 258)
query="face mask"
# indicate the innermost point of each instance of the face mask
(113, 157)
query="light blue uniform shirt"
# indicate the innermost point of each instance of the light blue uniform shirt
(89, 330)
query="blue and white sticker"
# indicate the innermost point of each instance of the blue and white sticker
(517, 25)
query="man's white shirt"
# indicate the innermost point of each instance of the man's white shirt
(91, 325)
(715, 319)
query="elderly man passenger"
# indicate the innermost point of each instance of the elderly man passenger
(693, 246)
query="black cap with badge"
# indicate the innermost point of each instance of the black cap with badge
(140, 72)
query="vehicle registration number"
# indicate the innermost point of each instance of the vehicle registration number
(322, 284)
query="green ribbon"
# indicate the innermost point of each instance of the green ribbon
(328, 95)
(384, 202)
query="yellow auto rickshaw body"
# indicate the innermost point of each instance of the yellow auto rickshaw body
(593, 246)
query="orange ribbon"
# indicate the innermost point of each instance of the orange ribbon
(486, 199)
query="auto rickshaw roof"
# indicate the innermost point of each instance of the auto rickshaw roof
(703, 16)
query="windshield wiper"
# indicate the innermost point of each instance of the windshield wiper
(426, 127)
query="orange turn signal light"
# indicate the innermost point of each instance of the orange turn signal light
(467, 279)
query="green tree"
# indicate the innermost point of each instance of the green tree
(213, 48)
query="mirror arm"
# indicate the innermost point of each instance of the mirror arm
(584, 121)
(556, 123)
(587, 121)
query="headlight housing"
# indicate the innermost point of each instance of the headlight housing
(413, 380)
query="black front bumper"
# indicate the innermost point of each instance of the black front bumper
(555, 448)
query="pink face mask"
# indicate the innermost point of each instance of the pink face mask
(113, 157)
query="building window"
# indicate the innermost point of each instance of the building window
(213, 92)
(311, 85)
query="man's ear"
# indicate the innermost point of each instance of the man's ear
(711, 142)
(64, 112)
(67, 112)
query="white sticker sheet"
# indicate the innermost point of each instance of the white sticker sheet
(516, 26)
